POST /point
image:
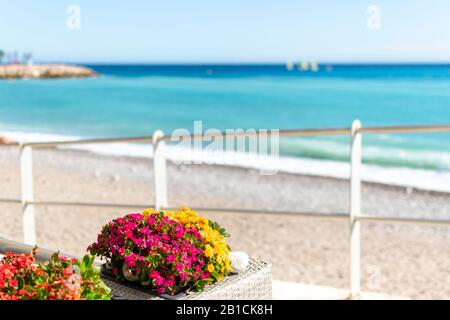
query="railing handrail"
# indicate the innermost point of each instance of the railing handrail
(47, 144)
(244, 133)
(326, 215)
(406, 129)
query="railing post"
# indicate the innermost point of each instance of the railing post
(355, 211)
(26, 176)
(159, 170)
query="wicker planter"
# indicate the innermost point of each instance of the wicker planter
(254, 283)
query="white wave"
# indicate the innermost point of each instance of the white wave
(399, 176)
(407, 177)
(36, 136)
(387, 154)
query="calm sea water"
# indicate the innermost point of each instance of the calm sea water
(129, 100)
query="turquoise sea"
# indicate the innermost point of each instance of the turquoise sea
(129, 100)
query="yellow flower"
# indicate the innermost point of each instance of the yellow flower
(209, 252)
(147, 212)
(216, 250)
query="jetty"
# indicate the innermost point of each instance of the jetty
(44, 71)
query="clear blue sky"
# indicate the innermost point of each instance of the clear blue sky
(227, 30)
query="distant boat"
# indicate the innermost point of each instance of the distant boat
(314, 66)
(290, 65)
(303, 66)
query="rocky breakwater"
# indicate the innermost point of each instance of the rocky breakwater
(48, 71)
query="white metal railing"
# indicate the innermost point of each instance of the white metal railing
(158, 140)
(355, 209)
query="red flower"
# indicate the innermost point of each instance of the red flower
(13, 282)
(68, 272)
(22, 279)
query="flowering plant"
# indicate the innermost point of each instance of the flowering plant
(216, 250)
(160, 250)
(59, 279)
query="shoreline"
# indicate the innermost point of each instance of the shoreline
(405, 177)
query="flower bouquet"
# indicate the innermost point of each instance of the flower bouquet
(21, 278)
(167, 252)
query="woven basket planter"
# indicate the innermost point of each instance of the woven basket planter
(252, 284)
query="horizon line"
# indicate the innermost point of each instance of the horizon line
(246, 63)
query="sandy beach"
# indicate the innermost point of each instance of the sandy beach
(397, 259)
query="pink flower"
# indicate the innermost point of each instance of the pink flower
(135, 216)
(130, 226)
(159, 281)
(160, 290)
(170, 283)
(179, 267)
(179, 232)
(187, 262)
(205, 275)
(154, 274)
(195, 232)
(129, 234)
(183, 276)
(145, 231)
(130, 260)
(165, 237)
(171, 258)
(120, 220)
(137, 241)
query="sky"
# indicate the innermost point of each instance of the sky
(227, 31)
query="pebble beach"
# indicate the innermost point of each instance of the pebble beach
(402, 260)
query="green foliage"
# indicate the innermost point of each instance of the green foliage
(217, 227)
(23, 278)
(93, 288)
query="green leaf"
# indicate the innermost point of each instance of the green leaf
(55, 257)
(86, 261)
